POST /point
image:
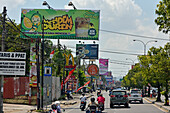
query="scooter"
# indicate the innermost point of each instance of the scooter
(101, 106)
(54, 109)
(82, 106)
(92, 109)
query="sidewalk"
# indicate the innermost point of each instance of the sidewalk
(160, 104)
(20, 108)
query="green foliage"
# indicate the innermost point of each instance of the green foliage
(82, 77)
(153, 68)
(163, 19)
(163, 92)
(12, 41)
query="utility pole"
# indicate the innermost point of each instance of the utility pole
(4, 13)
(38, 74)
(42, 61)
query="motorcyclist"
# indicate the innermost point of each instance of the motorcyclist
(101, 101)
(98, 92)
(57, 103)
(83, 98)
(106, 89)
(92, 105)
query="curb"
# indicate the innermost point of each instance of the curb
(69, 103)
(153, 102)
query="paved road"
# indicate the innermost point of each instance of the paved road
(134, 108)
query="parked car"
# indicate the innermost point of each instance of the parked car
(119, 97)
(135, 95)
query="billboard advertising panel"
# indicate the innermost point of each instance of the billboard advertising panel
(103, 66)
(12, 55)
(60, 24)
(12, 67)
(87, 51)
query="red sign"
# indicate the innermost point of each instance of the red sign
(92, 69)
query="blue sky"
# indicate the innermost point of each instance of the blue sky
(125, 16)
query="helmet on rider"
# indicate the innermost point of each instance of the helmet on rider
(83, 94)
(92, 99)
(57, 103)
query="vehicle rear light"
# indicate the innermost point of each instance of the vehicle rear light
(82, 102)
(112, 96)
(125, 95)
(130, 95)
(141, 95)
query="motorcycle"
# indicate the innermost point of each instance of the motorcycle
(82, 106)
(92, 109)
(101, 106)
(54, 109)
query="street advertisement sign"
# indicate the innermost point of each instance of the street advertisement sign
(33, 67)
(87, 51)
(109, 79)
(103, 66)
(92, 69)
(68, 77)
(12, 55)
(47, 71)
(12, 67)
(69, 67)
(60, 24)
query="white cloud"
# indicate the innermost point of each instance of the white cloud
(11, 3)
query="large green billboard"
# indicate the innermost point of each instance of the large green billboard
(60, 24)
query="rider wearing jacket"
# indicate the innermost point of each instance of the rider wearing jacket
(101, 101)
(83, 98)
(93, 105)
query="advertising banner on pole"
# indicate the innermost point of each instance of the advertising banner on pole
(60, 24)
(103, 66)
(87, 51)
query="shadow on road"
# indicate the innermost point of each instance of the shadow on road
(118, 107)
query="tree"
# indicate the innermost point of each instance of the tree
(156, 76)
(12, 41)
(163, 19)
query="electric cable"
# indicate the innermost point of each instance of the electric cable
(134, 35)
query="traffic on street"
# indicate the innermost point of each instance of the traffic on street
(88, 56)
(135, 107)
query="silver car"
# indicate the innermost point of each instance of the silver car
(135, 95)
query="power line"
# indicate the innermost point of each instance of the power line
(134, 35)
(127, 34)
(17, 28)
(119, 52)
(107, 51)
(120, 63)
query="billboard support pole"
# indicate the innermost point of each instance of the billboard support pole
(42, 61)
(4, 13)
(38, 75)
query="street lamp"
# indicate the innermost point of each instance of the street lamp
(145, 44)
(71, 4)
(45, 3)
(145, 54)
